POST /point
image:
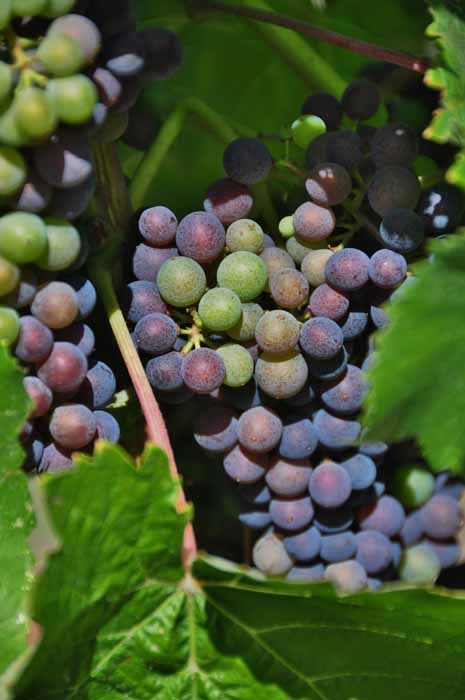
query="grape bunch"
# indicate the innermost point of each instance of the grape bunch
(270, 333)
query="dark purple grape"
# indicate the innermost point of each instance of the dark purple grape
(325, 106)
(330, 521)
(347, 395)
(394, 144)
(163, 53)
(165, 372)
(361, 99)
(327, 302)
(141, 298)
(321, 338)
(72, 426)
(335, 433)
(35, 340)
(155, 333)
(345, 148)
(354, 325)
(158, 226)
(306, 574)
(386, 515)
(107, 427)
(243, 397)
(288, 478)
(142, 129)
(256, 519)
(441, 208)
(71, 203)
(125, 54)
(412, 529)
(347, 270)
(147, 261)
(374, 551)
(393, 187)
(64, 369)
(313, 223)
(299, 439)
(200, 236)
(362, 471)
(65, 160)
(259, 429)
(40, 395)
(203, 371)
(328, 184)
(228, 200)
(245, 467)
(86, 294)
(108, 86)
(387, 269)
(293, 514)
(304, 546)
(379, 317)
(338, 547)
(247, 160)
(330, 485)
(329, 370)
(79, 334)
(54, 459)
(441, 517)
(402, 230)
(257, 494)
(216, 429)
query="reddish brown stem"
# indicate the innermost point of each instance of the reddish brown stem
(398, 58)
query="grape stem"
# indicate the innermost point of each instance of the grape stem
(398, 58)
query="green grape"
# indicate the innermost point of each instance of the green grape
(244, 234)
(277, 331)
(238, 364)
(6, 80)
(419, 564)
(424, 166)
(61, 54)
(379, 118)
(298, 250)
(12, 171)
(63, 245)
(5, 13)
(281, 376)
(306, 128)
(35, 113)
(412, 485)
(23, 237)
(181, 281)
(220, 309)
(23, 8)
(56, 8)
(314, 264)
(74, 98)
(10, 133)
(286, 227)
(243, 272)
(9, 325)
(244, 330)
(9, 277)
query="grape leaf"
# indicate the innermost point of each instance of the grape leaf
(448, 125)
(418, 381)
(121, 619)
(16, 522)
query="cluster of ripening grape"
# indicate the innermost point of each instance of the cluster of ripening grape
(69, 73)
(271, 337)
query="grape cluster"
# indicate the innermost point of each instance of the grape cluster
(271, 336)
(69, 73)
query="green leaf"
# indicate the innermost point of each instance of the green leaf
(418, 381)
(448, 125)
(16, 522)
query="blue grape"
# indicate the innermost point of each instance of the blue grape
(303, 546)
(257, 494)
(447, 552)
(165, 372)
(72, 426)
(321, 338)
(107, 427)
(245, 467)
(259, 429)
(330, 521)
(200, 236)
(288, 478)
(257, 519)
(216, 429)
(386, 516)
(79, 334)
(155, 333)
(86, 294)
(362, 471)
(347, 270)
(141, 298)
(412, 529)
(293, 514)
(147, 261)
(247, 160)
(329, 370)
(373, 448)
(347, 395)
(330, 485)
(393, 187)
(335, 433)
(374, 551)
(441, 517)
(98, 386)
(306, 574)
(354, 325)
(299, 439)
(338, 547)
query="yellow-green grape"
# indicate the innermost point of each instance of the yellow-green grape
(220, 309)
(9, 276)
(10, 132)
(9, 325)
(298, 250)
(6, 80)
(61, 55)
(238, 364)
(306, 128)
(286, 227)
(412, 485)
(35, 113)
(63, 245)
(74, 98)
(181, 281)
(23, 237)
(419, 565)
(244, 234)
(5, 13)
(12, 170)
(243, 272)
(30, 8)
(244, 329)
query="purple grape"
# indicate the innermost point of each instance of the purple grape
(163, 53)
(374, 551)
(338, 547)
(34, 342)
(165, 372)
(335, 433)
(141, 298)
(256, 520)
(401, 230)
(147, 261)
(54, 459)
(313, 223)
(347, 270)
(330, 485)
(288, 478)
(387, 269)
(215, 429)
(86, 294)
(299, 439)
(327, 302)
(354, 325)
(362, 471)
(329, 370)
(306, 574)
(247, 160)
(158, 226)
(328, 184)
(325, 106)
(203, 371)
(321, 338)
(292, 514)
(245, 467)
(361, 99)
(200, 236)
(304, 546)
(79, 334)
(72, 426)
(40, 395)
(441, 208)
(259, 429)
(346, 397)
(412, 529)
(155, 333)
(441, 517)
(107, 427)
(379, 317)
(394, 144)
(228, 200)
(98, 386)
(23, 295)
(393, 187)
(386, 516)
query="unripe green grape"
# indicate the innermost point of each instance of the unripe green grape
(220, 309)
(243, 272)
(61, 55)
(412, 485)
(298, 250)
(306, 128)
(9, 276)
(12, 170)
(6, 80)
(63, 245)
(10, 132)
(379, 118)
(181, 281)
(35, 113)
(9, 325)
(281, 376)
(286, 227)
(56, 8)
(5, 13)
(238, 364)
(74, 98)
(244, 329)
(419, 565)
(244, 234)
(313, 266)
(23, 237)
(24, 8)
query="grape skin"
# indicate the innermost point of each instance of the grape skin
(394, 144)
(277, 331)
(374, 551)
(354, 325)
(292, 514)
(347, 576)
(72, 426)
(299, 439)
(79, 334)
(65, 160)
(327, 302)
(387, 269)
(386, 516)
(329, 370)
(281, 376)
(244, 234)
(158, 225)
(259, 429)
(393, 187)
(257, 520)
(203, 371)
(325, 106)
(181, 281)
(441, 208)
(441, 517)
(35, 340)
(362, 471)
(419, 565)
(321, 338)
(335, 433)
(54, 459)
(243, 272)
(347, 396)
(245, 467)
(200, 236)
(313, 223)
(276, 259)
(141, 298)
(215, 429)
(330, 485)
(289, 288)
(338, 547)
(347, 270)
(306, 574)
(228, 200)
(220, 309)
(244, 330)
(155, 333)
(164, 53)
(288, 478)
(165, 372)
(402, 230)
(361, 99)
(99, 385)
(238, 363)
(40, 395)
(107, 427)
(303, 546)
(64, 369)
